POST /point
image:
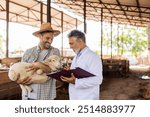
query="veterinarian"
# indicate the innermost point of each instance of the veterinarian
(85, 88)
(47, 90)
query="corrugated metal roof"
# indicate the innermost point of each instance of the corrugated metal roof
(29, 12)
(133, 12)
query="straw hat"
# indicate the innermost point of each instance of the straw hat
(46, 27)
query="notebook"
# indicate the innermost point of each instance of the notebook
(78, 73)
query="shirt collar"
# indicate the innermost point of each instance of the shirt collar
(38, 48)
(84, 49)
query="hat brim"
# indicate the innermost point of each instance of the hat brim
(37, 33)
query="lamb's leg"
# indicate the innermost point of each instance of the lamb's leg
(28, 88)
(24, 90)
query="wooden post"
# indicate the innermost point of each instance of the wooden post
(41, 15)
(101, 33)
(111, 37)
(7, 28)
(84, 11)
(76, 23)
(62, 30)
(49, 11)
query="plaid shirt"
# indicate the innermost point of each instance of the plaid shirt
(44, 91)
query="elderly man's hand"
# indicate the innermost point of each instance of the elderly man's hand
(69, 80)
(26, 81)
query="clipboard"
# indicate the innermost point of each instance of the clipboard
(78, 73)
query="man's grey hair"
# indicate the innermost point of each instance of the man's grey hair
(78, 34)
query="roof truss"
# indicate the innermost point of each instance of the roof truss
(29, 12)
(134, 12)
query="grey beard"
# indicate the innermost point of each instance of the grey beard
(76, 51)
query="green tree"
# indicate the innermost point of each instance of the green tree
(130, 39)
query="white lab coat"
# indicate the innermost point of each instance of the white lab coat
(87, 88)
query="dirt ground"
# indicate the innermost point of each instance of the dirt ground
(115, 87)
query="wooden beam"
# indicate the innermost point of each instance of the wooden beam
(7, 28)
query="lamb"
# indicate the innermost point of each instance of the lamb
(18, 71)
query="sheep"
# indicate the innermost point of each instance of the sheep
(18, 71)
